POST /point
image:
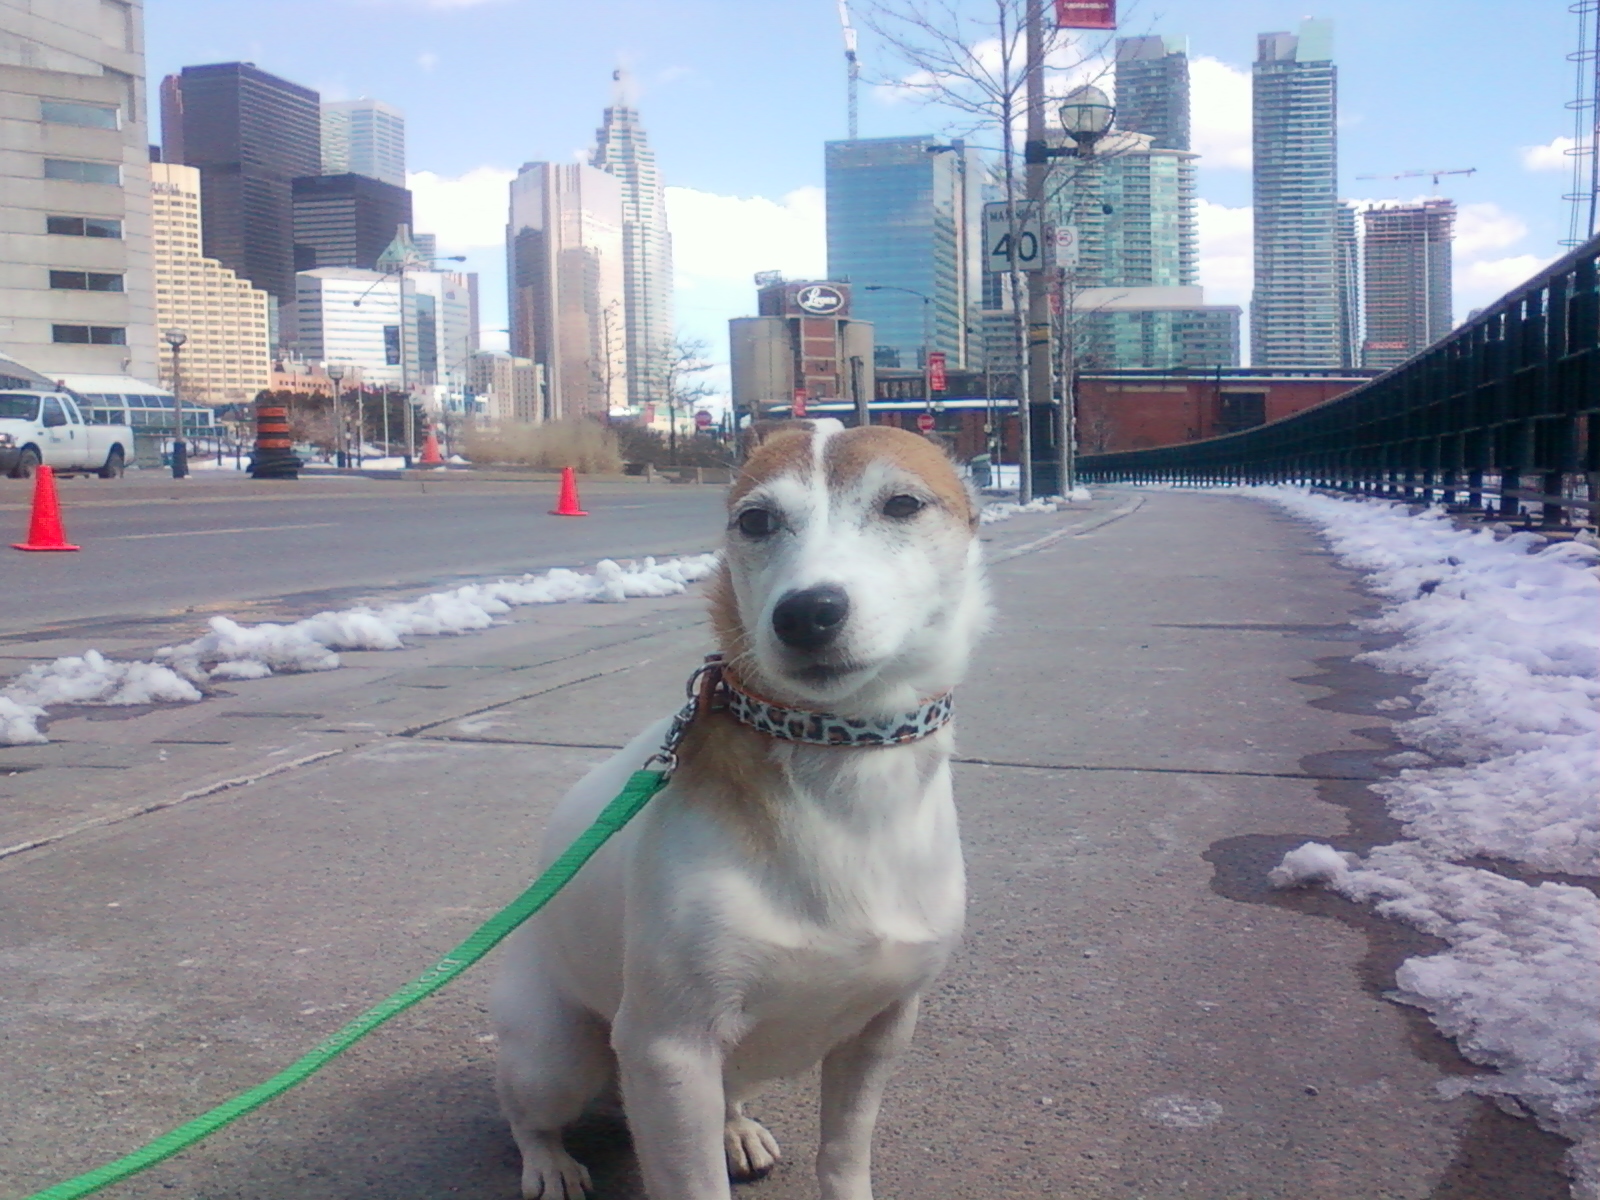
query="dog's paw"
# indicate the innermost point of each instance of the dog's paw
(752, 1151)
(550, 1173)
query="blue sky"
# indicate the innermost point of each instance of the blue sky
(739, 95)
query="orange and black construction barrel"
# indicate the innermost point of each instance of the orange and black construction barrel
(274, 456)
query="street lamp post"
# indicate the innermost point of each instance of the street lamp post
(1086, 116)
(336, 374)
(927, 347)
(176, 338)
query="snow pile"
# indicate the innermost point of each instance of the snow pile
(92, 678)
(1504, 634)
(233, 651)
(19, 723)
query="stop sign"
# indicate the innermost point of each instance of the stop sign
(702, 419)
(925, 422)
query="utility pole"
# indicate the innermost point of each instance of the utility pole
(1037, 361)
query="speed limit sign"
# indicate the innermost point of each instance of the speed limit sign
(998, 246)
(925, 422)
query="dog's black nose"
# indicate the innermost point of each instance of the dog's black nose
(810, 619)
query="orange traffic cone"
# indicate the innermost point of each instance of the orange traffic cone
(430, 451)
(567, 506)
(44, 530)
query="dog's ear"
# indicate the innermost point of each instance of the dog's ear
(759, 432)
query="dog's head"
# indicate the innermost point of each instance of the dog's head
(852, 576)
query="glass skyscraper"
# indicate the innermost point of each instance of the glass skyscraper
(1152, 75)
(622, 149)
(1295, 318)
(900, 216)
(367, 137)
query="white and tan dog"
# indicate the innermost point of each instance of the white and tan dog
(782, 902)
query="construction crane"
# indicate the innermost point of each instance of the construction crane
(1437, 175)
(851, 63)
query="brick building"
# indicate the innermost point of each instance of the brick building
(1133, 410)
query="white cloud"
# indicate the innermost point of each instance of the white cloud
(1219, 98)
(1552, 156)
(465, 212)
(1226, 250)
(1486, 226)
(427, 60)
(1496, 276)
(726, 239)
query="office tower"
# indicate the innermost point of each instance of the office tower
(346, 220)
(226, 359)
(1408, 284)
(76, 291)
(450, 297)
(427, 245)
(353, 316)
(507, 389)
(251, 134)
(1152, 85)
(564, 268)
(366, 137)
(1294, 310)
(622, 149)
(901, 212)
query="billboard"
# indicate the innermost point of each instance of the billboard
(1086, 14)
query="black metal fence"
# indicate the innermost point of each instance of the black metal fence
(1501, 415)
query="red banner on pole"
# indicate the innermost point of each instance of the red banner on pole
(936, 377)
(799, 402)
(1086, 14)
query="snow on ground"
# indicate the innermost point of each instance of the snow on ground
(1505, 635)
(234, 651)
(1003, 510)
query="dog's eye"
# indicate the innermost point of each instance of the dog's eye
(757, 522)
(902, 507)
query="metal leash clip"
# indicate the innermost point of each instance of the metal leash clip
(701, 688)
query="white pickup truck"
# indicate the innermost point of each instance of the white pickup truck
(47, 427)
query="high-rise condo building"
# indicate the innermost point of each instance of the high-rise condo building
(622, 149)
(346, 220)
(564, 267)
(251, 134)
(1294, 310)
(76, 293)
(1152, 82)
(367, 137)
(1348, 242)
(226, 357)
(1408, 282)
(901, 213)
(1132, 295)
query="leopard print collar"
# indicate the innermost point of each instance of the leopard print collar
(713, 688)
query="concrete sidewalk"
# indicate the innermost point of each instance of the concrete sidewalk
(1167, 703)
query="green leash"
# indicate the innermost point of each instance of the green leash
(642, 785)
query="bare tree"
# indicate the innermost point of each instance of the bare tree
(973, 58)
(684, 367)
(609, 335)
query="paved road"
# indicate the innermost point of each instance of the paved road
(1168, 702)
(153, 546)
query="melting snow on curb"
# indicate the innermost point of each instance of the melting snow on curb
(1003, 510)
(1503, 632)
(234, 651)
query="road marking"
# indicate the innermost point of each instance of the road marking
(134, 537)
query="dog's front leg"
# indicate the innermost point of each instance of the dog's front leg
(853, 1078)
(673, 1093)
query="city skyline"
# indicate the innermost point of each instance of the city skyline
(761, 208)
